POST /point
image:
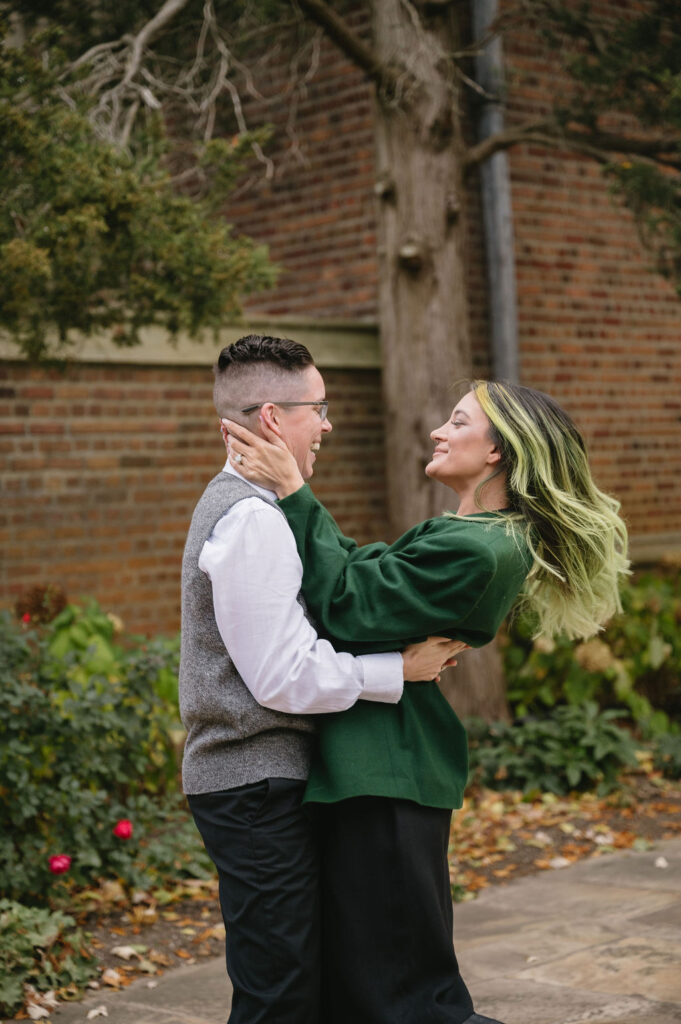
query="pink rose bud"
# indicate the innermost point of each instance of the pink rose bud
(60, 863)
(123, 829)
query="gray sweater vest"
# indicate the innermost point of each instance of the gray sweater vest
(231, 739)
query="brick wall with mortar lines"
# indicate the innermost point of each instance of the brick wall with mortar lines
(103, 466)
(598, 329)
(318, 212)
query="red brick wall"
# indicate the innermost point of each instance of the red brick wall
(103, 466)
(598, 329)
(317, 211)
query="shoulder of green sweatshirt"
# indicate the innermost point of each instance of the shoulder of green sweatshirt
(446, 576)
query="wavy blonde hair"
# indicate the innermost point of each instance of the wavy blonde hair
(574, 532)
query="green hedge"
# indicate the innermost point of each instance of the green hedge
(86, 758)
(574, 748)
(634, 665)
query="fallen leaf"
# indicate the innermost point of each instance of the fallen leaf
(504, 872)
(98, 1011)
(146, 967)
(112, 977)
(159, 958)
(143, 915)
(125, 952)
(111, 891)
(36, 1012)
(217, 931)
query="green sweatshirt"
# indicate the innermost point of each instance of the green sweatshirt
(445, 577)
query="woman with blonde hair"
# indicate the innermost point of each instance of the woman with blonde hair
(531, 526)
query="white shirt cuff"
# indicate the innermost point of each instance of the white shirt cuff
(383, 677)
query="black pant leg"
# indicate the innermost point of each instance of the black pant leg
(263, 844)
(388, 953)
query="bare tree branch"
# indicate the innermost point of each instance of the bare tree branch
(385, 77)
(144, 37)
(600, 145)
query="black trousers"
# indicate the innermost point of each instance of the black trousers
(388, 953)
(263, 844)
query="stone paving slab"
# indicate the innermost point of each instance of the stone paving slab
(197, 994)
(519, 1002)
(640, 965)
(598, 942)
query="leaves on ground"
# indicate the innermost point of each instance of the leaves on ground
(497, 836)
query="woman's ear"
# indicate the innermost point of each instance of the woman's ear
(494, 457)
(269, 414)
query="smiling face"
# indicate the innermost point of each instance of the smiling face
(301, 428)
(465, 454)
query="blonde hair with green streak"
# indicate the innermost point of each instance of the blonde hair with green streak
(575, 534)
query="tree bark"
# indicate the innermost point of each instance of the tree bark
(475, 687)
(421, 293)
(423, 316)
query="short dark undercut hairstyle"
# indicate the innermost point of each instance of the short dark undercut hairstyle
(258, 368)
(261, 348)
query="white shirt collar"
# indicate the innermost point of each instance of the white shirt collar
(229, 468)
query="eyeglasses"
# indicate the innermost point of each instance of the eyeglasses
(321, 407)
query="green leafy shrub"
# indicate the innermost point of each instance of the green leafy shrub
(165, 653)
(39, 948)
(85, 747)
(576, 748)
(95, 236)
(635, 664)
(667, 755)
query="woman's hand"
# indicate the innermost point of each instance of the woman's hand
(263, 460)
(426, 660)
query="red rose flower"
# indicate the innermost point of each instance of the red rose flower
(123, 829)
(25, 617)
(60, 863)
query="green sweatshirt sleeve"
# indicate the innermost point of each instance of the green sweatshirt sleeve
(429, 582)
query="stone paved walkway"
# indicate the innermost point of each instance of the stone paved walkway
(596, 942)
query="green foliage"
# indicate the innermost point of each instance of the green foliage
(634, 665)
(39, 948)
(667, 755)
(84, 745)
(93, 236)
(576, 748)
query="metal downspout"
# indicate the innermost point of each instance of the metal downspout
(497, 210)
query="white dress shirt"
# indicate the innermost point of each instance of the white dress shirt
(256, 574)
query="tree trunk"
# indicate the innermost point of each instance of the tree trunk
(476, 685)
(421, 293)
(423, 316)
